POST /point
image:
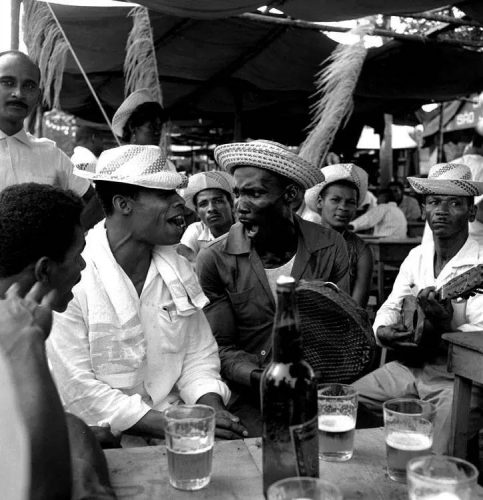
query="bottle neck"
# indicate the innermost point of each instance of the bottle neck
(287, 341)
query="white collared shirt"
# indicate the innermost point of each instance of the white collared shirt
(197, 236)
(25, 158)
(418, 270)
(387, 220)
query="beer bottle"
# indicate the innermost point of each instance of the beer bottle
(288, 398)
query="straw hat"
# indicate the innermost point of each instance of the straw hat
(126, 109)
(207, 180)
(269, 156)
(132, 164)
(338, 172)
(447, 179)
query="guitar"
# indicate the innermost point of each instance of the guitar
(461, 287)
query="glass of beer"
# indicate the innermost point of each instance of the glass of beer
(337, 421)
(440, 477)
(190, 435)
(408, 429)
(303, 488)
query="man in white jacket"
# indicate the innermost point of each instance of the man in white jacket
(134, 339)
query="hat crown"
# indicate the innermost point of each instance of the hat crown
(450, 171)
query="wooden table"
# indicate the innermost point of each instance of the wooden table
(142, 473)
(465, 360)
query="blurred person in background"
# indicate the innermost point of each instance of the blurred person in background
(407, 204)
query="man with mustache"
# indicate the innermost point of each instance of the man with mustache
(422, 373)
(238, 271)
(23, 157)
(134, 340)
(41, 240)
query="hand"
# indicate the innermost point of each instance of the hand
(228, 426)
(105, 437)
(439, 313)
(30, 315)
(395, 336)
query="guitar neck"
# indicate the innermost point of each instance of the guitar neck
(462, 284)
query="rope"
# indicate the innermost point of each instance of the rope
(84, 74)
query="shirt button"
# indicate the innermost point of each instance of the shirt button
(263, 353)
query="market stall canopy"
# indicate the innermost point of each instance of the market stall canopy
(211, 68)
(311, 10)
(401, 138)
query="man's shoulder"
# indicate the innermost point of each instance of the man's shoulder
(316, 234)
(45, 145)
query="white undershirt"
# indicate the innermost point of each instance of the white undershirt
(273, 274)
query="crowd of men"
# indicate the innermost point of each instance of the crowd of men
(103, 329)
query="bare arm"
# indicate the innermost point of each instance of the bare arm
(362, 285)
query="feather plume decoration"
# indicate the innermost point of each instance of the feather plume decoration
(47, 47)
(140, 64)
(335, 84)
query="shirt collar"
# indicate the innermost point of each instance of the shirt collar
(21, 135)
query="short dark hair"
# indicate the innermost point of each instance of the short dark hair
(22, 55)
(341, 182)
(145, 112)
(106, 191)
(387, 193)
(36, 220)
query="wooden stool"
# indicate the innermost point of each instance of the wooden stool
(465, 360)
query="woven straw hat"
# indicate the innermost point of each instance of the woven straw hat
(338, 172)
(132, 164)
(447, 179)
(269, 156)
(126, 109)
(207, 180)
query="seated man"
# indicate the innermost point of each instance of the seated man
(407, 204)
(135, 339)
(40, 246)
(210, 195)
(238, 272)
(448, 207)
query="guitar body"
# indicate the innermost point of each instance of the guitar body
(412, 317)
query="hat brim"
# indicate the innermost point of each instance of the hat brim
(170, 180)
(264, 156)
(454, 187)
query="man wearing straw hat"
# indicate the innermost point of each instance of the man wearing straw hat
(210, 195)
(23, 157)
(449, 193)
(238, 271)
(134, 340)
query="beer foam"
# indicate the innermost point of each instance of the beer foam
(336, 423)
(409, 441)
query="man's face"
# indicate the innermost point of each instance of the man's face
(397, 193)
(19, 90)
(158, 217)
(448, 216)
(149, 133)
(337, 205)
(214, 210)
(66, 274)
(258, 198)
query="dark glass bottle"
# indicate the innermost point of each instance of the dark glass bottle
(288, 398)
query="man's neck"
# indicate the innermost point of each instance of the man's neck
(446, 248)
(133, 256)
(10, 128)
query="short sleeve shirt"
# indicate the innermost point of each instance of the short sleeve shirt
(25, 158)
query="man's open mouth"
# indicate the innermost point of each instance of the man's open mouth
(178, 221)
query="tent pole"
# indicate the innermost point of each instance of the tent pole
(385, 153)
(15, 24)
(441, 134)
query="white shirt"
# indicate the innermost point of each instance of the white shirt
(110, 374)
(274, 273)
(197, 236)
(308, 214)
(387, 220)
(417, 269)
(25, 158)
(14, 444)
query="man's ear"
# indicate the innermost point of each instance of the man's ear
(42, 270)
(472, 213)
(423, 212)
(122, 204)
(291, 193)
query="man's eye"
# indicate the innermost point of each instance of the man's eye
(7, 83)
(30, 86)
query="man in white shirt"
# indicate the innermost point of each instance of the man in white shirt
(386, 218)
(134, 339)
(449, 206)
(23, 157)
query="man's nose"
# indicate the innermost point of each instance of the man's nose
(241, 206)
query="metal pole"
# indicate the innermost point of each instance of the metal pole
(15, 24)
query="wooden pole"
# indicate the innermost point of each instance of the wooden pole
(385, 153)
(15, 24)
(441, 134)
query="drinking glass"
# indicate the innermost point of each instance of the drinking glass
(337, 421)
(408, 429)
(303, 488)
(190, 431)
(439, 477)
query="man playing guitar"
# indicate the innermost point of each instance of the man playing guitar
(448, 207)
